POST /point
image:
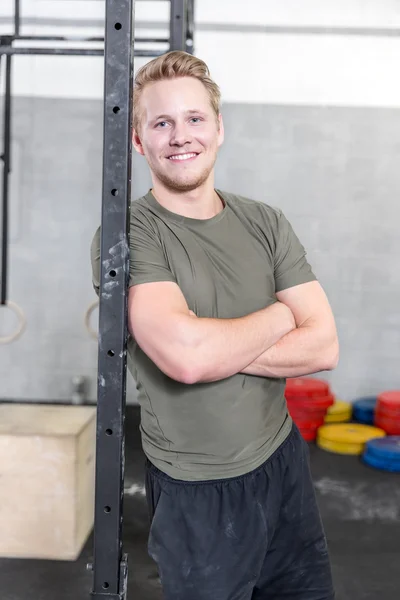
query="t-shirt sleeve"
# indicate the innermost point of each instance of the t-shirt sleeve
(148, 262)
(290, 263)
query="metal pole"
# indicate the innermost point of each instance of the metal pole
(72, 51)
(78, 38)
(190, 27)
(178, 25)
(6, 157)
(17, 16)
(52, 51)
(110, 565)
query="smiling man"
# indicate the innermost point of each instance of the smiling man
(223, 306)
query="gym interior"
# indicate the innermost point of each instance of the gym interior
(310, 101)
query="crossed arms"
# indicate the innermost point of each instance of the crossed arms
(294, 336)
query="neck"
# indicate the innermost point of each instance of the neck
(200, 203)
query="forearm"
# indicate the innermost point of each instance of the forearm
(220, 348)
(305, 350)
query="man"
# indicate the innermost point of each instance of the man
(223, 306)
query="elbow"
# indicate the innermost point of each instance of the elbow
(330, 358)
(189, 369)
(187, 373)
(186, 368)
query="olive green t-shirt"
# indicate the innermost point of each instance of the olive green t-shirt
(227, 266)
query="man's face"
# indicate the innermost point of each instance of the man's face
(180, 133)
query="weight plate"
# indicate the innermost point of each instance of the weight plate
(339, 407)
(378, 463)
(344, 417)
(390, 399)
(350, 433)
(340, 447)
(363, 416)
(365, 404)
(304, 423)
(391, 426)
(385, 448)
(308, 435)
(339, 412)
(391, 413)
(313, 402)
(307, 416)
(299, 386)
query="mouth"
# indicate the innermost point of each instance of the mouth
(188, 156)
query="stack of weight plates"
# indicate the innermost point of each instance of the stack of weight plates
(348, 438)
(308, 400)
(387, 412)
(383, 453)
(363, 410)
(339, 412)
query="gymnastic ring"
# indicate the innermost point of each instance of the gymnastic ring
(6, 339)
(93, 334)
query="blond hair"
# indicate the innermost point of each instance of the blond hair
(171, 66)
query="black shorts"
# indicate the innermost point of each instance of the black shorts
(254, 537)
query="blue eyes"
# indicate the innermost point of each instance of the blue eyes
(193, 119)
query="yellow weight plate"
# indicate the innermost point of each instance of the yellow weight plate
(350, 433)
(340, 447)
(339, 412)
(338, 418)
(339, 407)
(347, 438)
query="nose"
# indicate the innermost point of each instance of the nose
(181, 135)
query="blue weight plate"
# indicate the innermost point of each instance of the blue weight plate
(378, 463)
(363, 416)
(363, 410)
(385, 448)
(366, 402)
(386, 461)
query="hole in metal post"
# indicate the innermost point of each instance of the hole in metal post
(114, 192)
(116, 110)
(111, 353)
(112, 273)
(106, 585)
(109, 431)
(118, 26)
(107, 509)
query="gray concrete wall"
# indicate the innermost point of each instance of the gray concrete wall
(334, 172)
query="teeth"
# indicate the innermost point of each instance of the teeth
(182, 156)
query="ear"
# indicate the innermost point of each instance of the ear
(221, 131)
(137, 144)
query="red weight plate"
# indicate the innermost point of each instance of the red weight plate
(307, 415)
(308, 435)
(391, 426)
(298, 386)
(308, 423)
(390, 399)
(315, 402)
(387, 412)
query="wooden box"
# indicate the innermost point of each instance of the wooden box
(47, 475)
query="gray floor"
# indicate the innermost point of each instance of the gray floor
(360, 509)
